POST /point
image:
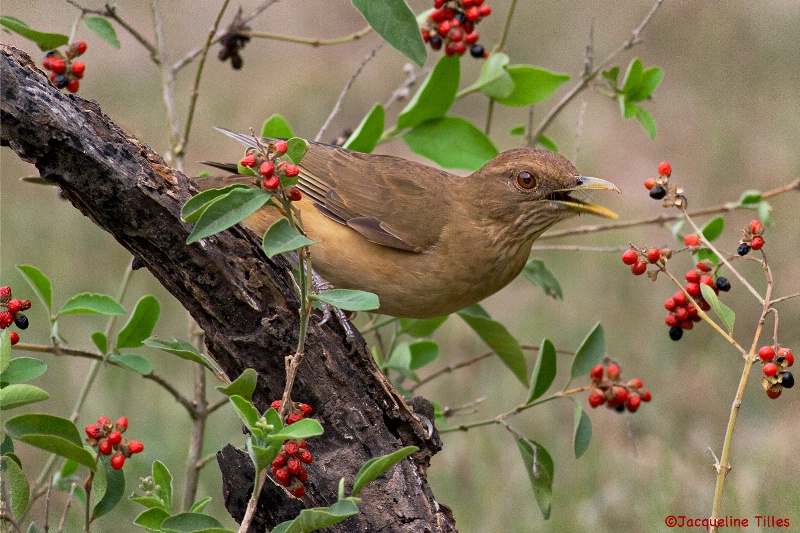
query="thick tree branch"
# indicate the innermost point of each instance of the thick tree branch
(243, 302)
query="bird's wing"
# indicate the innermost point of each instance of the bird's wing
(389, 200)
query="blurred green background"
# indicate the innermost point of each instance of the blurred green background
(727, 115)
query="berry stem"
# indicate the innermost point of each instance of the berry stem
(502, 42)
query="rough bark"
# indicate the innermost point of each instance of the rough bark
(242, 300)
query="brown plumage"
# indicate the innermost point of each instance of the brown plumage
(427, 242)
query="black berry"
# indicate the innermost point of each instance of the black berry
(675, 333)
(658, 192)
(787, 380)
(60, 81)
(462, 18)
(743, 249)
(21, 321)
(476, 50)
(436, 42)
(620, 408)
(723, 284)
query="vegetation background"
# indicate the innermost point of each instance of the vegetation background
(727, 115)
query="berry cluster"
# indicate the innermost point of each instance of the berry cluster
(658, 186)
(108, 439)
(452, 24)
(616, 394)
(638, 259)
(64, 72)
(776, 377)
(682, 313)
(752, 238)
(275, 173)
(11, 313)
(288, 467)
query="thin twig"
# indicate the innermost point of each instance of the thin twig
(167, 83)
(111, 13)
(311, 42)
(66, 507)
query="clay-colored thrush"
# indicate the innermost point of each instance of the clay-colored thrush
(427, 242)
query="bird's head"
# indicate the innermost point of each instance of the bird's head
(533, 189)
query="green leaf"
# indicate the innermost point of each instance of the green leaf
(451, 142)
(302, 429)
(262, 456)
(21, 369)
(541, 475)
(319, 518)
(181, 348)
(151, 502)
(378, 465)
(141, 323)
(200, 505)
(19, 394)
(544, 371)
(39, 283)
(435, 96)
(723, 311)
(101, 341)
(197, 204)
(114, 489)
(282, 237)
(517, 131)
(45, 41)
(395, 22)
(163, 479)
(349, 300)
(494, 81)
(422, 353)
(276, 127)
(137, 363)
(5, 350)
(243, 386)
(646, 120)
(750, 197)
(51, 433)
(228, 210)
(247, 413)
(582, 430)
(537, 273)
(16, 486)
(421, 327)
(705, 253)
(103, 29)
(531, 85)
(765, 214)
(590, 352)
(151, 519)
(651, 79)
(369, 132)
(633, 77)
(498, 338)
(91, 304)
(296, 148)
(547, 143)
(192, 523)
(713, 228)
(611, 75)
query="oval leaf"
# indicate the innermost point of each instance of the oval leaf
(395, 22)
(243, 386)
(544, 371)
(91, 304)
(103, 29)
(422, 353)
(101, 341)
(228, 210)
(296, 148)
(39, 283)
(421, 327)
(369, 132)
(723, 311)
(141, 323)
(163, 478)
(181, 348)
(318, 518)
(531, 85)
(494, 81)
(591, 351)
(191, 523)
(498, 338)
(378, 465)
(537, 273)
(45, 41)
(51, 433)
(21, 369)
(302, 429)
(541, 475)
(349, 300)
(194, 207)
(713, 228)
(282, 237)
(582, 430)
(16, 485)
(114, 489)
(276, 127)
(451, 142)
(151, 519)
(435, 96)
(19, 394)
(137, 363)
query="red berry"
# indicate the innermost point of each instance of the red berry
(646, 396)
(298, 492)
(671, 320)
(266, 169)
(649, 183)
(121, 424)
(670, 304)
(5, 293)
(438, 3)
(468, 3)
(78, 68)
(596, 373)
(682, 313)
(473, 13)
(26, 304)
(291, 170)
(13, 336)
(639, 268)
(613, 372)
(630, 257)
(686, 324)
(271, 183)
(471, 37)
(449, 50)
(291, 448)
(774, 393)
(755, 227)
(6, 318)
(294, 194)
(293, 465)
(115, 437)
(117, 461)
(707, 280)
(757, 243)
(693, 289)
(485, 11)
(79, 47)
(766, 353)
(282, 475)
(693, 276)
(456, 35)
(105, 447)
(679, 297)
(786, 353)
(278, 462)
(14, 306)
(633, 403)
(305, 456)
(705, 265)
(294, 417)
(281, 147)
(444, 27)
(437, 15)
(653, 255)
(596, 398)
(73, 86)
(635, 383)
(302, 476)
(459, 48)
(93, 431)
(664, 168)
(249, 160)
(305, 409)
(691, 240)
(770, 369)
(135, 446)
(276, 405)
(57, 65)
(103, 420)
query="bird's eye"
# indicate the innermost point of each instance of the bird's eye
(526, 180)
